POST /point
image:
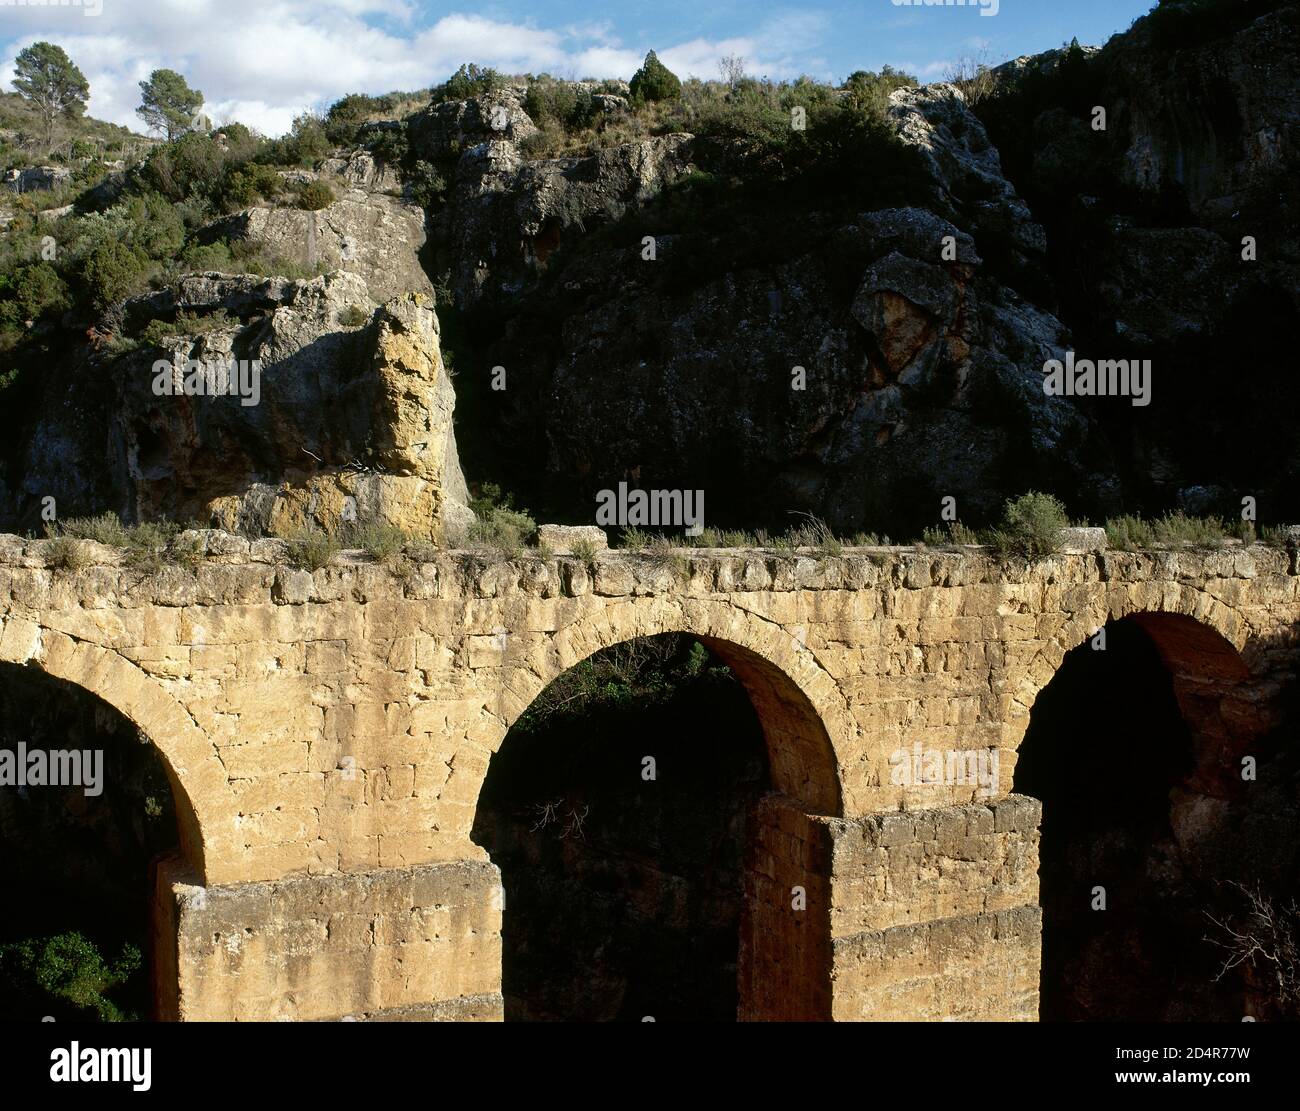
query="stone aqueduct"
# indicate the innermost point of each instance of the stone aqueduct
(327, 735)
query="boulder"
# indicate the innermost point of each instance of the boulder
(563, 539)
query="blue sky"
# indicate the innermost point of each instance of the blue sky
(264, 61)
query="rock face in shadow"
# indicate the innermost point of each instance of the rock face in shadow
(921, 366)
(1173, 236)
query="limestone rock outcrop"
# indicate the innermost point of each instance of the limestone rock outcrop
(369, 230)
(352, 418)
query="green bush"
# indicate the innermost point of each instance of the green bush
(186, 324)
(308, 142)
(40, 290)
(346, 116)
(313, 549)
(114, 271)
(194, 165)
(249, 184)
(70, 970)
(1175, 530)
(584, 551)
(382, 542)
(198, 257)
(148, 545)
(498, 524)
(428, 186)
(559, 102)
(1030, 526)
(469, 81)
(154, 225)
(65, 553)
(315, 195)
(654, 81)
(107, 528)
(391, 145)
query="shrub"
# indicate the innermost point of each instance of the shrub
(502, 529)
(193, 165)
(635, 539)
(560, 103)
(654, 81)
(156, 332)
(39, 290)
(308, 142)
(382, 542)
(952, 533)
(707, 537)
(346, 116)
(1030, 526)
(815, 533)
(65, 553)
(153, 225)
(312, 549)
(1179, 530)
(428, 186)
(147, 545)
(1129, 533)
(198, 257)
(469, 81)
(391, 145)
(498, 524)
(584, 550)
(69, 969)
(114, 271)
(248, 184)
(354, 316)
(315, 195)
(1173, 529)
(104, 529)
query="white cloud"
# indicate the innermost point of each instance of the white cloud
(265, 61)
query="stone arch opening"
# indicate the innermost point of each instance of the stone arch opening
(1134, 749)
(87, 811)
(637, 889)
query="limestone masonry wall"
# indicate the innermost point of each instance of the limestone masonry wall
(334, 726)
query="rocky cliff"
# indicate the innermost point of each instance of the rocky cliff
(859, 344)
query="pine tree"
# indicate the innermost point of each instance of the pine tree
(47, 78)
(168, 103)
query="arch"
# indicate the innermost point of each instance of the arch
(188, 757)
(1189, 627)
(799, 705)
(1134, 752)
